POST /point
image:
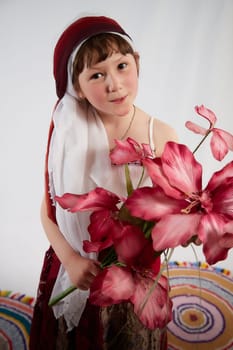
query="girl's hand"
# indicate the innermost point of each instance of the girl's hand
(82, 271)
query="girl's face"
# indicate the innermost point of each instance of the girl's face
(110, 85)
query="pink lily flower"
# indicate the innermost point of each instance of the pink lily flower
(221, 140)
(104, 226)
(199, 212)
(151, 302)
(134, 250)
(129, 151)
(142, 267)
(103, 219)
(131, 246)
(150, 299)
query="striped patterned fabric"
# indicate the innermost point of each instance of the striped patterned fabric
(15, 320)
(202, 298)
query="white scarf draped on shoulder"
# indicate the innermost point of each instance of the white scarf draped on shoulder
(78, 162)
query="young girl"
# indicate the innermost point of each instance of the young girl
(96, 73)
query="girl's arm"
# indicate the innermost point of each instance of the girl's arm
(81, 270)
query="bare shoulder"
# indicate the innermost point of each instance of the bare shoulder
(163, 133)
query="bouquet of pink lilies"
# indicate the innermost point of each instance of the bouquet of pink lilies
(132, 233)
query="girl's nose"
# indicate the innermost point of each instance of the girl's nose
(112, 83)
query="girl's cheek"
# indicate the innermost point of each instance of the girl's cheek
(96, 98)
(133, 82)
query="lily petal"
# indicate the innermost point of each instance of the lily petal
(148, 259)
(125, 152)
(226, 136)
(226, 241)
(220, 177)
(97, 199)
(147, 151)
(228, 227)
(222, 198)
(151, 203)
(155, 171)
(129, 246)
(96, 247)
(211, 223)
(112, 286)
(218, 146)
(174, 230)
(196, 128)
(207, 114)
(156, 312)
(210, 232)
(103, 224)
(181, 168)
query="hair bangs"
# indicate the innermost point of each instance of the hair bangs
(96, 49)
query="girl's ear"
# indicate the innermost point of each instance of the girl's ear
(137, 58)
(79, 93)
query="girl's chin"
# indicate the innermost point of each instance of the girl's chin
(117, 111)
(123, 110)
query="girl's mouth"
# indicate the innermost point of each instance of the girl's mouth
(119, 100)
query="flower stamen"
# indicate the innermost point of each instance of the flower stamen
(188, 209)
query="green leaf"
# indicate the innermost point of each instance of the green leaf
(129, 184)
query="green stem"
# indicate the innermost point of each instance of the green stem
(61, 295)
(162, 268)
(199, 145)
(147, 227)
(109, 258)
(129, 184)
(140, 180)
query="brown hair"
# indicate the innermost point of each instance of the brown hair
(96, 49)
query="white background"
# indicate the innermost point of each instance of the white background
(186, 49)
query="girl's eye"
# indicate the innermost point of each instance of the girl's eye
(122, 65)
(96, 76)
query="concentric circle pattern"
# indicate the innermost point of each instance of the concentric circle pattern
(15, 320)
(202, 299)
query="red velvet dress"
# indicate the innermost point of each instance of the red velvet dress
(45, 330)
